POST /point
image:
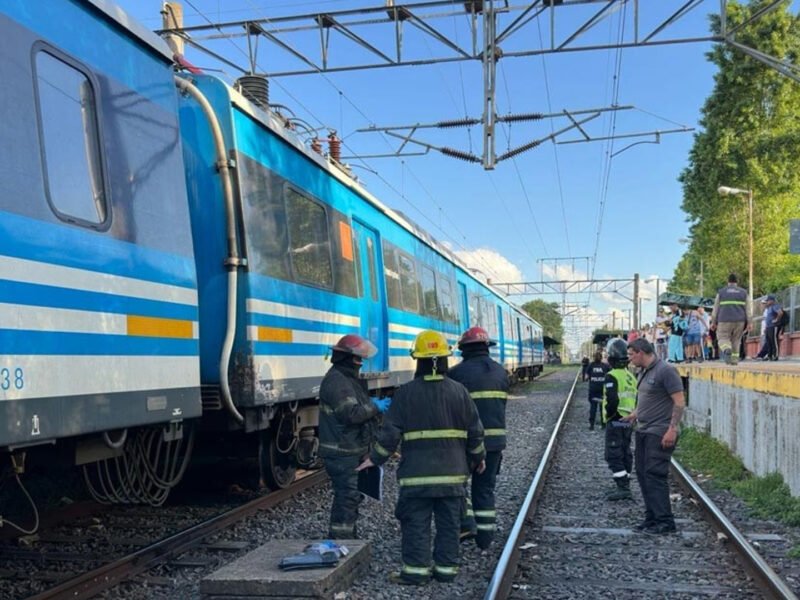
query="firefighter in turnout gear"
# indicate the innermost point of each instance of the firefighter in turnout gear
(347, 425)
(487, 383)
(619, 400)
(442, 443)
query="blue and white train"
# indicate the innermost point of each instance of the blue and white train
(171, 252)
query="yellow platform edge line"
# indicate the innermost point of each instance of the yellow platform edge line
(159, 327)
(774, 383)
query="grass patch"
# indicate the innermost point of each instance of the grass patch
(767, 497)
(794, 552)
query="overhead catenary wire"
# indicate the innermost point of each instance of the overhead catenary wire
(355, 154)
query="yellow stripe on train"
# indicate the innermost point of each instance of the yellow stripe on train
(274, 334)
(159, 327)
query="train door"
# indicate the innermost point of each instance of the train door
(520, 343)
(372, 304)
(504, 336)
(464, 299)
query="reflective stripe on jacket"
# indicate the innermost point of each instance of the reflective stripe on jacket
(488, 385)
(730, 305)
(347, 417)
(441, 435)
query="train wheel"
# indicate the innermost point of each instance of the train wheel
(278, 469)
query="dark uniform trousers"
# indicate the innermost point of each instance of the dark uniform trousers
(483, 499)
(414, 514)
(652, 468)
(346, 497)
(618, 448)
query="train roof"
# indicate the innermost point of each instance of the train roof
(131, 25)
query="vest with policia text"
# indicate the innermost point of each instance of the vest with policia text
(619, 394)
(441, 435)
(732, 304)
(487, 383)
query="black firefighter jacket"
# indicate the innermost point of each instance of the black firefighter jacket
(347, 417)
(488, 385)
(441, 435)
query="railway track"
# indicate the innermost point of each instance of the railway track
(568, 541)
(149, 555)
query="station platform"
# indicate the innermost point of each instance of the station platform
(781, 377)
(753, 407)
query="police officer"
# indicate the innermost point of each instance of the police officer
(347, 424)
(597, 378)
(487, 383)
(729, 319)
(619, 400)
(442, 438)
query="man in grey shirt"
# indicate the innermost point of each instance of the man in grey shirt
(659, 409)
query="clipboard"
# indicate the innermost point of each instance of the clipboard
(370, 482)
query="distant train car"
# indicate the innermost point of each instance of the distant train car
(171, 250)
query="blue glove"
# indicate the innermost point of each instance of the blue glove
(382, 404)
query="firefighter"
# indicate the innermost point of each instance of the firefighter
(347, 425)
(729, 318)
(619, 400)
(487, 383)
(442, 439)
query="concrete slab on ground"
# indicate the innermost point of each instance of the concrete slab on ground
(256, 574)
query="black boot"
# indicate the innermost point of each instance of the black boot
(623, 491)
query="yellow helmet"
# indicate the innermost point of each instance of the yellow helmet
(430, 344)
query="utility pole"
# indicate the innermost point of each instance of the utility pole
(636, 303)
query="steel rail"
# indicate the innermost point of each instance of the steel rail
(770, 582)
(96, 581)
(500, 585)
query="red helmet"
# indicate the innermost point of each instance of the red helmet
(355, 344)
(475, 335)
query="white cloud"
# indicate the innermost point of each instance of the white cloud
(492, 264)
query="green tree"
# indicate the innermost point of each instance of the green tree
(749, 139)
(547, 315)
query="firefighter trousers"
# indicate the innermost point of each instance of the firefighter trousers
(346, 497)
(618, 449)
(414, 514)
(483, 499)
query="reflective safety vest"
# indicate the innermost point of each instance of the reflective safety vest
(626, 393)
(441, 435)
(731, 305)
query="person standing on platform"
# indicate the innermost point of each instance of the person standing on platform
(442, 438)
(597, 379)
(347, 425)
(729, 319)
(677, 327)
(487, 383)
(660, 405)
(619, 401)
(773, 315)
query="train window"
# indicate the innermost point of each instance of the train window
(373, 276)
(346, 261)
(429, 299)
(309, 243)
(445, 289)
(408, 282)
(475, 317)
(265, 215)
(392, 276)
(70, 139)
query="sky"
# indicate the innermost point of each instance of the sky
(554, 201)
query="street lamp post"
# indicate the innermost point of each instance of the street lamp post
(724, 190)
(658, 293)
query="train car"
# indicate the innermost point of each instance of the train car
(98, 288)
(172, 250)
(301, 254)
